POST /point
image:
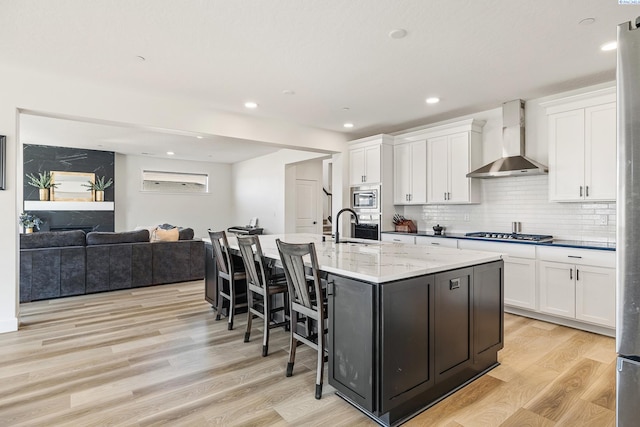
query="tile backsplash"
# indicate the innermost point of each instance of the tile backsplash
(522, 199)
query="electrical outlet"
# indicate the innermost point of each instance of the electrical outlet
(466, 217)
(604, 219)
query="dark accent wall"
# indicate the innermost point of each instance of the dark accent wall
(40, 158)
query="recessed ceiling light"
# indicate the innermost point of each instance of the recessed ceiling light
(141, 58)
(587, 21)
(199, 136)
(251, 104)
(170, 153)
(609, 46)
(348, 125)
(433, 100)
(288, 92)
(346, 108)
(398, 33)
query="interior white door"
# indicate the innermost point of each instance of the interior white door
(307, 206)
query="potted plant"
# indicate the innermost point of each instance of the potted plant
(99, 185)
(44, 181)
(28, 221)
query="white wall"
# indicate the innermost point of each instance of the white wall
(259, 188)
(135, 207)
(63, 96)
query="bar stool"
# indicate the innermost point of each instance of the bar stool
(306, 299)
(228, 271)
(262, 285)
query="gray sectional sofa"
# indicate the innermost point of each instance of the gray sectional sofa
(64, 263)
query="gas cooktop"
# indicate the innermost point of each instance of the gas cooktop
(511, 236)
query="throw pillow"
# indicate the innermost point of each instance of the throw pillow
(160, 235)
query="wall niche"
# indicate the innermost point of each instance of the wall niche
(41, 158)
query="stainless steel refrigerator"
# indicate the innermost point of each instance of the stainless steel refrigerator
(628, 232)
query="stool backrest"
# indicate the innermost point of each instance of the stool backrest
(291, 255)
(221, 251)
(253, 259)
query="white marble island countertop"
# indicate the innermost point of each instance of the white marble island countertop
(376, 261)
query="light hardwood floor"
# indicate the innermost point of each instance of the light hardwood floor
(156, 356)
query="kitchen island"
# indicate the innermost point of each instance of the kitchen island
(408, 325)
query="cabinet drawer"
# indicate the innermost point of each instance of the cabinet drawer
(578, 256)
(398, 238)
(518, 250)
(444, 242)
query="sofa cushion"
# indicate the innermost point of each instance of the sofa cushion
(108, 238)
(51, 239)
(185, 233)
(161, 235)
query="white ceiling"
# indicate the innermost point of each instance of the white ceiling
(333, 54)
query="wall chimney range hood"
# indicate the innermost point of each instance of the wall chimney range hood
(513, 162)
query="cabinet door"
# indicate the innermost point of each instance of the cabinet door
(600, 152)
(351, 338)
(566, 156)
(372, 164)
(596, 295)
(459, 184)
(407, 341)
(418, 179)
(437, 170)
(452, 322)
(356, 166)
(401, 174)
(520, 282)
(488, 309)
(557, 289)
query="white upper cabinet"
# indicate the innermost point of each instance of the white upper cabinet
(364, 164)
(410, 173)
(450, 158)
(582, 148)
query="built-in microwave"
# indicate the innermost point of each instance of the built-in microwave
(365, 198)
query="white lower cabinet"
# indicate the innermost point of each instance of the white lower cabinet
(583, 289)
(519, 270)
(520, 282)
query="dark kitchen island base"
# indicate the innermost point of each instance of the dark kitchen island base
(397, 348)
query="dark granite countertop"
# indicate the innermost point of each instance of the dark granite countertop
(578, 244)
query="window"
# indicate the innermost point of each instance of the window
(174, 182)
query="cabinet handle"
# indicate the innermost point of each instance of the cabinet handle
(454, 284)
(330, 288)
(410, 197)
(396, 240)
(587, 191)
(435, 244)
(577, 274)
(448, 196)
(445, 195)
(571, 273)
(574, 256)
(581, 191)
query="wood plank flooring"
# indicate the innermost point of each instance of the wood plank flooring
(156, 356)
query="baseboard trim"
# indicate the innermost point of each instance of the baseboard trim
(8, 325)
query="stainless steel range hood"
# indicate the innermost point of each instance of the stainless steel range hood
(513, 162)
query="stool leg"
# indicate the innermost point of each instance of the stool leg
(220, 297)
(320, 367)
(232, 301)
(247, 334)
(293, 343)
(266, 314)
